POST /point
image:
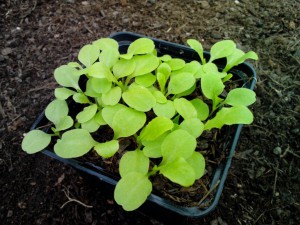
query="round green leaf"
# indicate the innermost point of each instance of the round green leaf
(74, 143)
(81, 98)
(106, 43)
(179, 171)
(145, 64)
(176, 64)
(56, 111)
(127, 122)
(180, 83)
(141, 46)
(123, 68)
(193, 125)
(146, 80)
(91, 126)
(201, 108)
(185, 108)
(35, 141)
(132, 190)
(178, 143)
(240, 96)
(139, 98)
(66, 76)
(63, 93)
(100, 85)
(197, 162)
(167, 109)
(134, 161)
(64, 124)
(155, 128)
(109, 57)
(109, 112)
(107, 149)
(222, 49)
(113, 96)
(87, 113)
(88, 54)
(211, 85)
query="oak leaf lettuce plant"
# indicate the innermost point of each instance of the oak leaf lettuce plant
(122, 90)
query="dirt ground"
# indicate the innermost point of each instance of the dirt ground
(36, 36)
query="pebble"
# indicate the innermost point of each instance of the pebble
(216, 35)
(6, 51)
(277, 150)
(204, 4)
(9, 213)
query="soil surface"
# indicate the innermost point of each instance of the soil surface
(37, 36)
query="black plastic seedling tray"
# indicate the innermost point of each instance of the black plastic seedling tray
(156, 206)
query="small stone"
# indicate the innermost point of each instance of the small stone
(277, 150)
(204, 4)
(9, 213)
(292, 25)
(6, 51)
(2, 58)
(216, 35)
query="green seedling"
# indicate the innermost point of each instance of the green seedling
(147, 98)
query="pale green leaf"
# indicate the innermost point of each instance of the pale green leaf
(159, 96)
(211, 85)
(35, 141)
(91, 125)
(197, 46)
(222, 49)
(239, 57)
(81, 98)
(240, 96)
(165, 58)
(228, 116)
(139, 98)
(197, 162)
(56, 111)
(88, 54)
(109, 57)
(123, 68)
(176, 63)
(178, 143)
(185, 108)
(180, 83)
(141, 46)
(75, 65)
(109, 112)
(132, 190)
(87, 113)
(152, 149)
(134, 161)
(106, 43)
(64, 124)
(66, 76)
(145, 64)
(63, 93)
(201, 108)
(193, 125)
(74, 143)
(179, 171)
(113, 96)
(100, 70)
(100, 85)
(155, 128)
(89, 91)
(127, 122)
(167, 109)
(146, 80)
(107, 149)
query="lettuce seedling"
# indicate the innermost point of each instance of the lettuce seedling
(150, 99)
